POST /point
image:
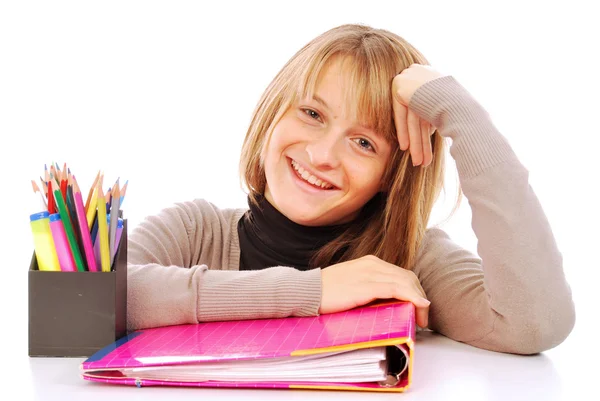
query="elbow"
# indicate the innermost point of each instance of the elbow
(544, 332)
(532, 333)
(555, 330)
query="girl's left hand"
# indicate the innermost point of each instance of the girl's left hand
(413, 132)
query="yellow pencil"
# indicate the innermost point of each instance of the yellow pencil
(103, 230)
(92, 189)
(90, 214)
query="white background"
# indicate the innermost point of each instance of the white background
(161, 94)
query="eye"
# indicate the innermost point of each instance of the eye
(364, 144)
(312, 114)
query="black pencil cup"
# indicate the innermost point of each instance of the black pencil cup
(75, 314)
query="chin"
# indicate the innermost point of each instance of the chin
(312, 217)
(301, 215)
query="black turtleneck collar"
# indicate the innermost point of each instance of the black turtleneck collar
(268, 238)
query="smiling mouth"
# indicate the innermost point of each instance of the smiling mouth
(309, 178)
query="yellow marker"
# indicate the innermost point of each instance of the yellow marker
(45, 252)
(103, 231)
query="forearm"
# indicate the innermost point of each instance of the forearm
(161, 295)
(514, 297)
(522, 265)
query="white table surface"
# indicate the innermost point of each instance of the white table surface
(443, 369)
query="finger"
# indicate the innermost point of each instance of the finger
(387, 290)
(417, 284)
(403, 287)
(400, 112)
(414, 134)
(422, 316)
(409, 293)
(426, 138)
(387, 272)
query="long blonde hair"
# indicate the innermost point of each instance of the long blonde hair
(392, 224)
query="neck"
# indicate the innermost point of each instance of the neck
(268, 238)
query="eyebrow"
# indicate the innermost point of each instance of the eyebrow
(324, 104)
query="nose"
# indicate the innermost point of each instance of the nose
(323, 151)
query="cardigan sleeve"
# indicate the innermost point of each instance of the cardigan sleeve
(512, 296)
(183, 269)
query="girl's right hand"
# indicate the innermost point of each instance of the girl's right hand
(357, 282)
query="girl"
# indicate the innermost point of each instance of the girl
(343, 162)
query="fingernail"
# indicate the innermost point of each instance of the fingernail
(426, 301)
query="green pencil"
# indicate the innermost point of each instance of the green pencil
(64, 216)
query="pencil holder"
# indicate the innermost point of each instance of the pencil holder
(75, 314)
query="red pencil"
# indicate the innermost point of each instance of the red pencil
(63, 188)
(51, 205)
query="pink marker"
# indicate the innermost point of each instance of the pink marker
(65, 258)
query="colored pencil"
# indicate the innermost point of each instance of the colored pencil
(70, 201)
(84, 228)
(89, 197)
(63, 186)
(94, 231)
(123, 191)
(64, 215)
(42, 199)
(51, 203)
(92, 210)
(44, 186)
(52, 173)
(117, 241)
(114, 218)
(103, 230)
(108, 197)
(46, 178)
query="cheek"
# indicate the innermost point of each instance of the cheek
(273, 151)
(367, 179)
(285, 134)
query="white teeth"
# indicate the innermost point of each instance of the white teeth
(309, 177)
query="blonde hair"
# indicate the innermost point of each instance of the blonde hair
(392, 224)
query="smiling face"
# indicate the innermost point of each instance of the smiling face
(321, 164)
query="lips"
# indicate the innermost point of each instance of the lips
(308, 177)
